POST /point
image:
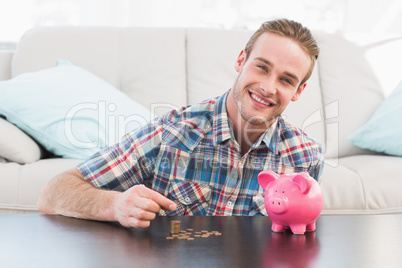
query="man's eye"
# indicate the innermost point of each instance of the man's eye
(288, 81)
(262, 67)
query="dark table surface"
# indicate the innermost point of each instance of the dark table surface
(37, 240)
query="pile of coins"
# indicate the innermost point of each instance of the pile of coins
(174, 227)
(188, 234)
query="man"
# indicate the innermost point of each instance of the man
(204, 159)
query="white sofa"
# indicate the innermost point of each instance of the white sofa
(171, 67)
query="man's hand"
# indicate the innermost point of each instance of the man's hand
(70, 195)
(137, 206)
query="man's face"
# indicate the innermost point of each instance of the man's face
(269, 79)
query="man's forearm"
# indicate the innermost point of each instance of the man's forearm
(69, 195)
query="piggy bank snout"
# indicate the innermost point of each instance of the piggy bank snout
(277, 205)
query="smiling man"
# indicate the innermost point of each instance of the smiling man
(204, 159)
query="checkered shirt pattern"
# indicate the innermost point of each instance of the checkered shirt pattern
(190, 155)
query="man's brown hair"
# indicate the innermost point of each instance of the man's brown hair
(292, 30)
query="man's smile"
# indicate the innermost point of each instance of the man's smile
(258, 99)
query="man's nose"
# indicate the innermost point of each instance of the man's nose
(269, 86)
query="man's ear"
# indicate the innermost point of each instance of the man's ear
(298, 92)
(240, 61)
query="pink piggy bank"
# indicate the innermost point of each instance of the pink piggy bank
(292, 200)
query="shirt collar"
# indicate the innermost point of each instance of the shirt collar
(274, 140)
(221, 127)
(267, 136)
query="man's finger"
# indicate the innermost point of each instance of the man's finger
(147, 204)
(134, 222)
(158, 198)
(143, 215)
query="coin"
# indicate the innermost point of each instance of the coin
(174, 227)
(188, 234)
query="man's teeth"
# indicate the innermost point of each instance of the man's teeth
(260, 100)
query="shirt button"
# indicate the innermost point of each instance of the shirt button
(187, 199)
(230, 204)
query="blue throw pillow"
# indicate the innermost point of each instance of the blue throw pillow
(383, 132)
(70, 111)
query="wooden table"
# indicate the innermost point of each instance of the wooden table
(340, 241)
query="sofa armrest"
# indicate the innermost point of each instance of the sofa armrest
(5, 64)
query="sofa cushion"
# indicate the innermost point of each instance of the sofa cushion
(342, 189)
(356, 73)
(147, 64)
(21, 184)
(362, 184)
(70, 111)
(17, 146)
(382, 133)
(211, 56)
(5, 62)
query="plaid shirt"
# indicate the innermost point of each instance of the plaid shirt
(190, 156)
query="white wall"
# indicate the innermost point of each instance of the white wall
(16, 16)
(373, 16)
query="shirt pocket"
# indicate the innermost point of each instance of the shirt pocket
(257, 206)
(192, 198)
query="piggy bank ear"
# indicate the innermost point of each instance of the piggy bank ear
(266, 177)
(303, 181)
